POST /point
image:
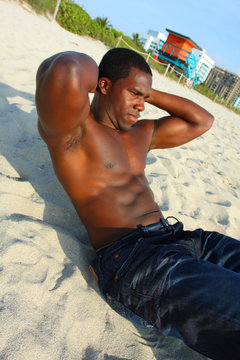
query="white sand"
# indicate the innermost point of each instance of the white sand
(49, 304)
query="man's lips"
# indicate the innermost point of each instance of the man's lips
(134, 116)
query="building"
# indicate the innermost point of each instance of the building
(204, 64)
(235, 92)
(177, 51)
(178, 46)
(237, 103)
(224, 83)
(151, 40)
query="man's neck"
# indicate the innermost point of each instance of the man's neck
(100, 114)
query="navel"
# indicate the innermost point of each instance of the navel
(109, 165)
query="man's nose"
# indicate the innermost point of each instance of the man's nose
(140, 104)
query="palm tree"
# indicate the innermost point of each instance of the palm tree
(103, 22)
(136, 39)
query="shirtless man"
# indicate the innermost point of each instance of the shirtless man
(99, 155)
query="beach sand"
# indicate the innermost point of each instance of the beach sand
(50, 307)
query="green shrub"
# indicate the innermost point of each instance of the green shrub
(205, 91)
(75, 19)
(216, 98)
(154, 65)
(43, 6)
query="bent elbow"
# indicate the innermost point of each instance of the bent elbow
(205, 122)
(209, 121)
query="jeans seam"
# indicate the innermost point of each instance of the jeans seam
(133, 291)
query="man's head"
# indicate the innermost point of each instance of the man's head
(117, 63)
(124, 83)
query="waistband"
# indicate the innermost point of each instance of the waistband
(143, 230)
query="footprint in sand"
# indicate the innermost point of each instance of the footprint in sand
(213, 198)
(224, 203)
(168, 165)
(163, 199)
(151, 159)
(222, 216)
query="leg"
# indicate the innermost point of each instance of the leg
(185, 296)
(180, 286)
(217, 248)
(201, 301)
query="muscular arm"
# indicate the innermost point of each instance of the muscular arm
(187, 120)
(63, 84)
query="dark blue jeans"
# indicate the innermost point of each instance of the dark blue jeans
(184, 283)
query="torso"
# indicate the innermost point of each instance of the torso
(103, 173)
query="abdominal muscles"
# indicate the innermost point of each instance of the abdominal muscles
(113, 209)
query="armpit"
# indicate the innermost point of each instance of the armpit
(73, 142)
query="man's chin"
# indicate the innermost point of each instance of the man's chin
(125, 127)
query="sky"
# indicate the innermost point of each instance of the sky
(213, 24)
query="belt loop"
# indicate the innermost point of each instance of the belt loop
(173, 217)
(144, 229)
(177, 226)
(165, 223)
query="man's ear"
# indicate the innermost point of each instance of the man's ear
(104, 85)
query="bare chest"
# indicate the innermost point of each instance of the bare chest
(102, 159)
(113, 151)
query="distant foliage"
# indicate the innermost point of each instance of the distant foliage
(103, 22)
(136, 40)
(75, 19)
(210, 94)
(205, 91)
(157, 66)
(43, 6)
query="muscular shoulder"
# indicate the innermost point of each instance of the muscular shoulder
(63, 84)
(145, 127)
(60, 64)
(143, 132)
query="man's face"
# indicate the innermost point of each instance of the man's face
(125, 99)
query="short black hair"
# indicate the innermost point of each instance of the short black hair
(116, 64)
